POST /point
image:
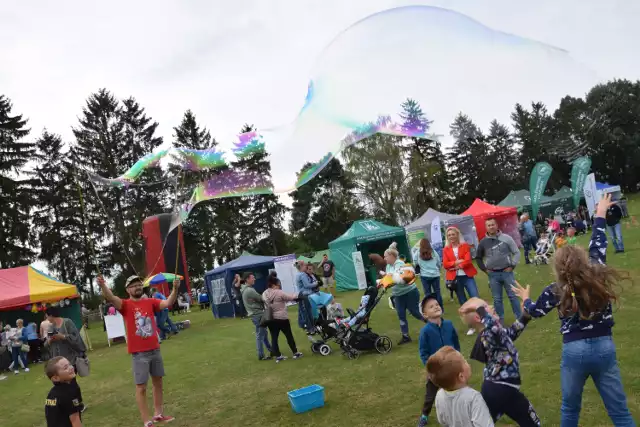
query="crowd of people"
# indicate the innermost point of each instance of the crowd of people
(582, 294)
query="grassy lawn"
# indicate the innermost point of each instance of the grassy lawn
(214, 377)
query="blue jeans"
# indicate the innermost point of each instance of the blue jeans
(261, 336)
(529, 243)
(499, 280)
(595, 358)
(615, 232)
(161, 321)
(468, 283)
(18, 357)
(409, 301)
(431, 285)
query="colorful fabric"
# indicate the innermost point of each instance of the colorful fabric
(21, 286)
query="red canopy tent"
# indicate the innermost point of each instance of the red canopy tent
(506, 216)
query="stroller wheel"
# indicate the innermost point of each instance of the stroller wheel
(383, 344)
(324, 349)
(315, 348)
(353, 354)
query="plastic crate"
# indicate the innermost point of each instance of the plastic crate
(306, 398)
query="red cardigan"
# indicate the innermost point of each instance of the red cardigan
(449, 259)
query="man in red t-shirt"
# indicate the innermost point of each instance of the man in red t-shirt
(142, 341)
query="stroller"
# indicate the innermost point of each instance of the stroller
(544, 250)
(322, 331)
(360, 337)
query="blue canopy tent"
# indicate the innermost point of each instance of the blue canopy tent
(219, 281)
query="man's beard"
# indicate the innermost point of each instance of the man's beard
(137, 293)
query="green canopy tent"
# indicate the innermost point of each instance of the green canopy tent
(367, 237)
(549, 205)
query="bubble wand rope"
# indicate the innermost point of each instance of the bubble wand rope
(115, 234)
(86, 227)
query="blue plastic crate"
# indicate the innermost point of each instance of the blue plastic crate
(306, 398)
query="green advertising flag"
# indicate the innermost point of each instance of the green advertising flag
(537, 184)
(579, 172)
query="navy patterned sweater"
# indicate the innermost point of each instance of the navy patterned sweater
(572, 327)
(494, 347)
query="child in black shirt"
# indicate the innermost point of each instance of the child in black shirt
(64, 404)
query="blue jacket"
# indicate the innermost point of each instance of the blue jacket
(434, 337)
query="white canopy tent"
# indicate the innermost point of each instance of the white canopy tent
(422, 227)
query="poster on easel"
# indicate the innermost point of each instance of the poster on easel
(286, 269)
(115, 327)
(361, 274)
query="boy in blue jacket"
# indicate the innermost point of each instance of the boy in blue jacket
(436, 334)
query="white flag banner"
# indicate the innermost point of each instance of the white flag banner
(591, 195)
(436, 234)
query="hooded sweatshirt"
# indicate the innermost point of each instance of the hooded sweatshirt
(496, 253)
(278, 299)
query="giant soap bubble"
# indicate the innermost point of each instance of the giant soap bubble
(446, 61)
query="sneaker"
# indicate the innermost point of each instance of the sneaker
(265, 358)
(280, 359)
(471, 331)
(423, 421)
(148, 424)
(16, 372)
(162, 418)
(3, 377)
(26, 369)
(404, 340)
(298, 355)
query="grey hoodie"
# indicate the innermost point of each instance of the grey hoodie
(497, 253)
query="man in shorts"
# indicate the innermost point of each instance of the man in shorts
(328, 269)
(142, 342)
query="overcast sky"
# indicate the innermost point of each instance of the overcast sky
(241, 61)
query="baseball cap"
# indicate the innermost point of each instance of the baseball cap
(132, 279)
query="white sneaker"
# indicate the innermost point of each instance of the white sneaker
(471, 332)
(3, 377)
(16, 372)
(26, 369)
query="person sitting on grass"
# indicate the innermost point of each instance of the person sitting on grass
(582, 294)
(436, 334)
(63, 407)
(457, 404)
(494, 347)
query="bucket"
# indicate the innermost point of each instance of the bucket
(306, 398)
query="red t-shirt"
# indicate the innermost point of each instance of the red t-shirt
(140, 320)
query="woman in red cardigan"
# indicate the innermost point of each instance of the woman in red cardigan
(456, 260)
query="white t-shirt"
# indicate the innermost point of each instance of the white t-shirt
(458, 272)
(464, 407)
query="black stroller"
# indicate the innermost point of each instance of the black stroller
(360, 337)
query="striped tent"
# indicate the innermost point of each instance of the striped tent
(21, 286)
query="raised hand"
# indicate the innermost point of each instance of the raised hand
(604, 204)
(522, 292)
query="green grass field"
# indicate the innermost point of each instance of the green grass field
(214, 378)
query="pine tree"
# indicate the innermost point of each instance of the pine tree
(534, 131)
(200, 228)
(15, 197)
(468, 165)
(425, 160)
(325, 207)
(502, 160)
(139, 137)
(265, 212)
